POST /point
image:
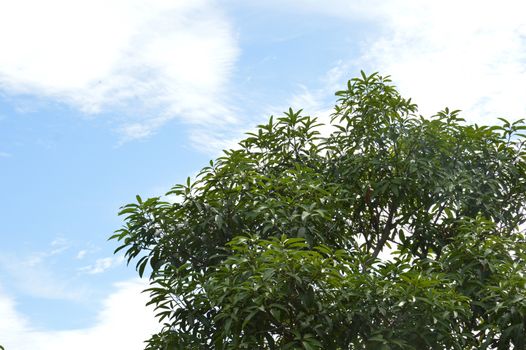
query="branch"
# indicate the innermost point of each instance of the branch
(386, 233)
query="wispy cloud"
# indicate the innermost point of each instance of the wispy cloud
(123, 323)
(103, 264)
(317, 101)
(5, 155)
(56, 247)
(40, 277)
(468, 55)
(212, 141)
(81, 254)
(40, 280)
(148, 60)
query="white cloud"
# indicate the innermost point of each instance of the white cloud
(57, 246)
(39, 278)
(159, 58)
(123, 323)
(10, 319)
(5, 155)
(213, 142)
(103, 264)
(81, 254)
(468, 55)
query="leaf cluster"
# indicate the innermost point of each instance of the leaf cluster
(389, 231)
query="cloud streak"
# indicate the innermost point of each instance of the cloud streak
(103, 264)
(149, 60)
(40, 277)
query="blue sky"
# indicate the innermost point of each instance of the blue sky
(101, 100)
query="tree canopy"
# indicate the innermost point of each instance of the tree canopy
(382, 230)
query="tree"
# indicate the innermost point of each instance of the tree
(390, 231)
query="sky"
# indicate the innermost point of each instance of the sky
(101, 100)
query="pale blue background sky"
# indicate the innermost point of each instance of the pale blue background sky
(105, 99)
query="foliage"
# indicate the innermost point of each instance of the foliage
(389, 231)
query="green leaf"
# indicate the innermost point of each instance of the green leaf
(388, 230)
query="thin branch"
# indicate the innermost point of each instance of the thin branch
(386, 233)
